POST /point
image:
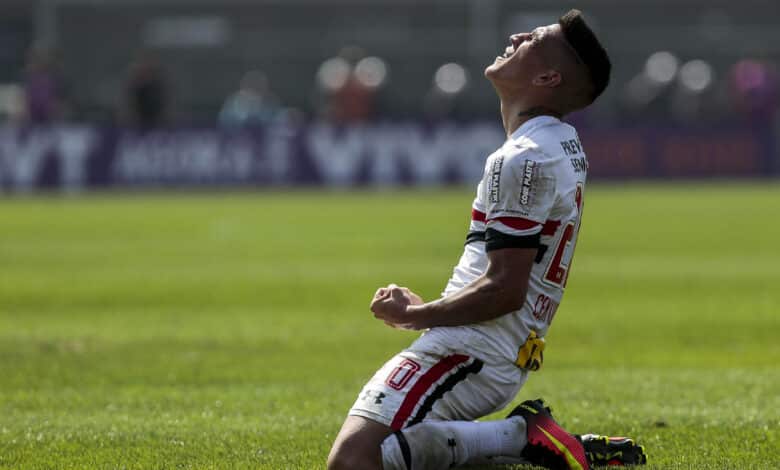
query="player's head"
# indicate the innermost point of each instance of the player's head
(561, 66)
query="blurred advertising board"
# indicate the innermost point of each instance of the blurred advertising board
(80, 157)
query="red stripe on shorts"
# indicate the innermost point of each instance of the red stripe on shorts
(517, 223)
(422, 385)
(550, 227)
(477, 215)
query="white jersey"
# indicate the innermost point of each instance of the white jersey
(531, 195)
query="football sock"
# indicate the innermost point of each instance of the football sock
(444, 444)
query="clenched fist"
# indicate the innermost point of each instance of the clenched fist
(390, 304)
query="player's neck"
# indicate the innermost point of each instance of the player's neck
(515, 113)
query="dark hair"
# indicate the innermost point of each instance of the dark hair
(581, 38)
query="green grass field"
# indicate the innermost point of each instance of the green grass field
(232, 330)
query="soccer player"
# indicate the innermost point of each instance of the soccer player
(486, 333)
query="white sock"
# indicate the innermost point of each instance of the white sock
(443, 444)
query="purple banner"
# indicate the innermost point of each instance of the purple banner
(76, 157)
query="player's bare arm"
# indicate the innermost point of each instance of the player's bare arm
(500, 290)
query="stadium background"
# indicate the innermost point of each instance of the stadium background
(180, 287)
(269, 91)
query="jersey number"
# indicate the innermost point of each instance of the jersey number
(558, 269)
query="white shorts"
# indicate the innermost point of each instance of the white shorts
(437, 378)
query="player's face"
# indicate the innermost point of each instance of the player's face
(522, 58)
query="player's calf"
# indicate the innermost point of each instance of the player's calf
(433, 445)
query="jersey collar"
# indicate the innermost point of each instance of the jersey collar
(532, 124)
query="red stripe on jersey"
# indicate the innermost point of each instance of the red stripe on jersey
(517, 223)
(422, 385)
(550, 227)
(477, 215)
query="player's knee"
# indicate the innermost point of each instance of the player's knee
(337, 460)
(351, 459)
(357, 445)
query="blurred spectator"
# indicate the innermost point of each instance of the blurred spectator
(43, 91)
(350, 82)
(649, 94)
(12, 103)
(448, 84)
(693, 98)
(146, 96)
(754, 89)
(354, 102)
(251, 105)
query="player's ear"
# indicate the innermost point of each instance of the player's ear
(549, 78)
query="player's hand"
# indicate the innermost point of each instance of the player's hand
(390, 305)
(383, 292)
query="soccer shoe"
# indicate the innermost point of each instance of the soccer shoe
(617, 451)
(548, 444)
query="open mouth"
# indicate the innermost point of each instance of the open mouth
(508, 52)
(510, 49)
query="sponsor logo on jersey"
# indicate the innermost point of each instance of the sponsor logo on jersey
(571, 147)
(580, 164)
(528, 177)
(495, 179)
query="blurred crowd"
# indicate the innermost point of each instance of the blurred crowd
(693, 92)
(348, 89)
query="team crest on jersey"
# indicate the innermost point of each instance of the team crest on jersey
(527, 183)
(494, 179)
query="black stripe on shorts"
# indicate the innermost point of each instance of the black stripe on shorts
(405, 451)
(445, 387)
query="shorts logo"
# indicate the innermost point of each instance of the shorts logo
(528, 177)
(494, 181)
(402, 374)
(373, 395)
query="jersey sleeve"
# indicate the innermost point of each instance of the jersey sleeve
(520, 194)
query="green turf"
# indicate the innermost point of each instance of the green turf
(232, 330)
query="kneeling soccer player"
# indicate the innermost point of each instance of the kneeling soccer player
(486, 333)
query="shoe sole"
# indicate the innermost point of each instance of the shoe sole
(615, 456)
